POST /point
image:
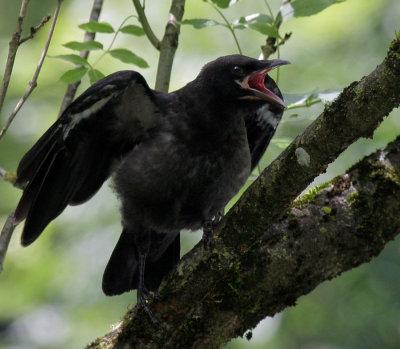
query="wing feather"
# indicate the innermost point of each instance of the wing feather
(70, 162)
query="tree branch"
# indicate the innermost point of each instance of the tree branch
(169, 45)
(33, 83)
(5, 237)
(12, 52)
(256, 269)
(34, 30)
(145, 24)
(72, 88)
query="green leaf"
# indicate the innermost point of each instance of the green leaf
(199, 23)
(259, 22)
(98, 27)
(265, 29)
(73, 75)
(75, 59)
(224, 3)
(132, 29)
(83, 46)
(95, 75)
(303, 8)
(128, 56)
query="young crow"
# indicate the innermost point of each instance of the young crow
(175, 159)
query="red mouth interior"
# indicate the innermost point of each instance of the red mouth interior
(256, 80)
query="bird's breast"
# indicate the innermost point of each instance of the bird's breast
(178, 184)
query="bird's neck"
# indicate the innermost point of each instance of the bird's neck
(207, 107)
(210, 121)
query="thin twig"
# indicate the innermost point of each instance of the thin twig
(228, 25)
(106, 51)
(304, 105)
(169, 44)
(5, 237)
(271, 43)
(269, 9)
(33, 83)
(34, 30)
(145, 24)
(72, 88)
(12, 51)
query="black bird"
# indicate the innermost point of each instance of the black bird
(176, 159)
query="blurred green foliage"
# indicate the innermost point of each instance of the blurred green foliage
(50, 294)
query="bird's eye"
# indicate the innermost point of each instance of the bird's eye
(237, 70)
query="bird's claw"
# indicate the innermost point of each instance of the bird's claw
(143, 298)
(208, 234)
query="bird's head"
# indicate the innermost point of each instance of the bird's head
(238, 77)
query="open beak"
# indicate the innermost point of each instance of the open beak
(254, 82)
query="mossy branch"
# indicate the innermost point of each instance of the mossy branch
(264, 258)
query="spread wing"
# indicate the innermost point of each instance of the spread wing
(70, 162)
(262, 126)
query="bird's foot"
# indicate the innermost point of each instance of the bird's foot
(208, 234)
(208, 229)
(143, 294)
(143, 298)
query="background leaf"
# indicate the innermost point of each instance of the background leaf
(83, 46)
(256, 18)
(264, 24)
(293, 100)
(98, 27)
(127, 56)
(95, 75)
(75, 59)
(303, 8)
(265, 29)
(73, 75)
(132, 29)
(224, 3)
(200, 23)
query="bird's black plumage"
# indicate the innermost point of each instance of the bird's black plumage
(176, 159)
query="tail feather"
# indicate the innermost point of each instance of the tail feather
(156, 269)
(122, 271)
(122, 268)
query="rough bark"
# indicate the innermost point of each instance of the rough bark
(257, 266)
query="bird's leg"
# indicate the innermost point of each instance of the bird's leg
(219, 217)
(208, 233)
(143, 294)
(208, 229)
